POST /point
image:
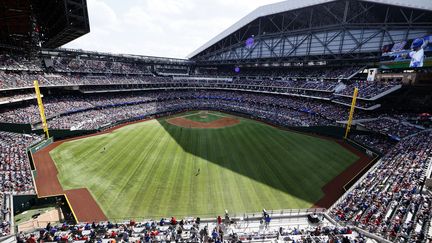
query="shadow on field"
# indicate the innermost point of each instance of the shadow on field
(224, 148)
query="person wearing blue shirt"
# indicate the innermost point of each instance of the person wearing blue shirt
(267, 221)
(417, 54)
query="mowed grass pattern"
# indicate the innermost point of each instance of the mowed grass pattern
(149, 169)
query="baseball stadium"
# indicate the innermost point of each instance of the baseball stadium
(303, 121)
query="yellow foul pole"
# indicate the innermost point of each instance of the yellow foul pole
(41, 108)
(351, 114)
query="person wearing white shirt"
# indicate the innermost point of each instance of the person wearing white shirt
(417, 55)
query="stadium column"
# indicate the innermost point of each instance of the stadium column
(351, 114)
(41, 108)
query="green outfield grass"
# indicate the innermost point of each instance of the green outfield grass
(150, 169)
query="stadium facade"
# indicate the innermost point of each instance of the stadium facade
(291, 64)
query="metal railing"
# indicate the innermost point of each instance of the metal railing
(274, 213)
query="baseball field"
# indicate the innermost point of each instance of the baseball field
(199, 163)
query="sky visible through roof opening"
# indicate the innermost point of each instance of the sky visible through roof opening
(167, 28)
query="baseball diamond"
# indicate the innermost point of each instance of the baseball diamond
(160, 169)
(303, 121)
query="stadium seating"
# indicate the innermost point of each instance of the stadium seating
(292, 64)
(380, 143)
(97, 72)
(19, 63)
(390, 200)
(190, 230)
(308, 112)
(15, 174)
(368, 89)
(66, 64)
(392, 127)
(19, 72)
(297, 73)
(16, 97)
(4, 216)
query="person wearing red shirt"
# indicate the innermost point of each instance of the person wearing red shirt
(154, 233)
(173, 221)
(32, 239)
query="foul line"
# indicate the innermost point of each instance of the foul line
(70, 206)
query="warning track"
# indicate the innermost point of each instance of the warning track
(82, 203)
(334, 189)
(86, 209)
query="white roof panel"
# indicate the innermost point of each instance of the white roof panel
(289, 5)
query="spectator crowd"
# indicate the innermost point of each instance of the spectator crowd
(390, 200)
(189, 230)
(15, 172)
(380, 143)
(392, 127)
(368, 89)
(19, 71)
(69, 111)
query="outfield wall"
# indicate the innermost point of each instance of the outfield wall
(33, 149)
(40, 145)
(330, 131)
(60, 134)
(337, 132)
